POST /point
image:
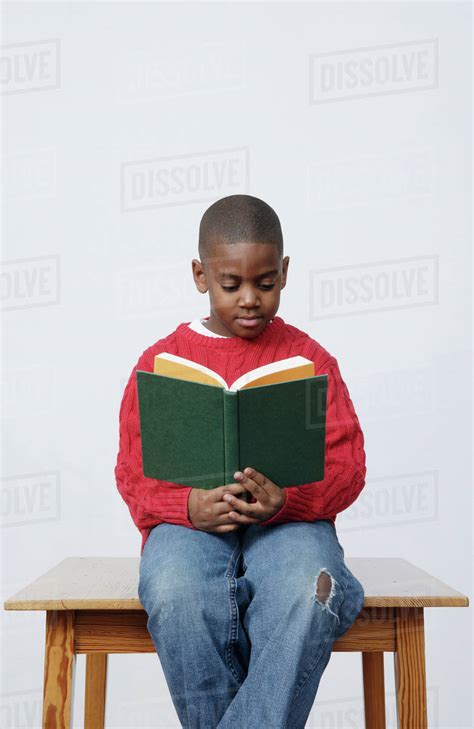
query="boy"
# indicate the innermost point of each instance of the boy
(244, 600)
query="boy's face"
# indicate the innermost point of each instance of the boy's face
(244, 281)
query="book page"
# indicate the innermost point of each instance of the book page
(291, 368)
(181, 368)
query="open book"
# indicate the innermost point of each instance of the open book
(197, 430)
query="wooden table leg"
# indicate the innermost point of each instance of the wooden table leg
(59, 670)
(409, 663)
(96, 682)
(374, 690)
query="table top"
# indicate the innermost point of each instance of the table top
(111, 583)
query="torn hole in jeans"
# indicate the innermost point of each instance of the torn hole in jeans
(324, 590)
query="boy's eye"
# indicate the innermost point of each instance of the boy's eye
(266, 287)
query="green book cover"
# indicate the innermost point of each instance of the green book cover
(196, 434)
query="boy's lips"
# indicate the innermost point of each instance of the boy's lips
(249, 322)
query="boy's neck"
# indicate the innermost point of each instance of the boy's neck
(205, 323)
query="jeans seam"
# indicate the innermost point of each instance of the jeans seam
(320, 653)
(309, 671)
(234, 613)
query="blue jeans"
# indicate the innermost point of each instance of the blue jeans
(241, 623)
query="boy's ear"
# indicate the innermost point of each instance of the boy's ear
(199, 276)
(284, 269)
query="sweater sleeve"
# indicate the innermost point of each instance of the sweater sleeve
(150, 501)
(344, 467)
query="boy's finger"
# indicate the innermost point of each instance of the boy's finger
(226, 528)
(239, 518)
(252, 510)
(222, 507)
(259, 478)
(232, 488)
(255, 488)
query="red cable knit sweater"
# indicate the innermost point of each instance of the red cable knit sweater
(152, 502)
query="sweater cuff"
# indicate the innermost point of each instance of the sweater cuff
(173, 505)
(298, 506)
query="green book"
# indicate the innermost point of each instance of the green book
(196, 430)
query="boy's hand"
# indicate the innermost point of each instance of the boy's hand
(270, 498)
(209, 513)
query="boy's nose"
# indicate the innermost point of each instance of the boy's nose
(249, 297)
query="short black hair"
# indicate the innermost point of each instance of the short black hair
(239, 218)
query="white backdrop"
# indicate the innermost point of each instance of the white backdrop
(122, 123)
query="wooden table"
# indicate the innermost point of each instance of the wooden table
(92, 607)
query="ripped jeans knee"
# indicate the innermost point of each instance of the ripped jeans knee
(325, 590)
